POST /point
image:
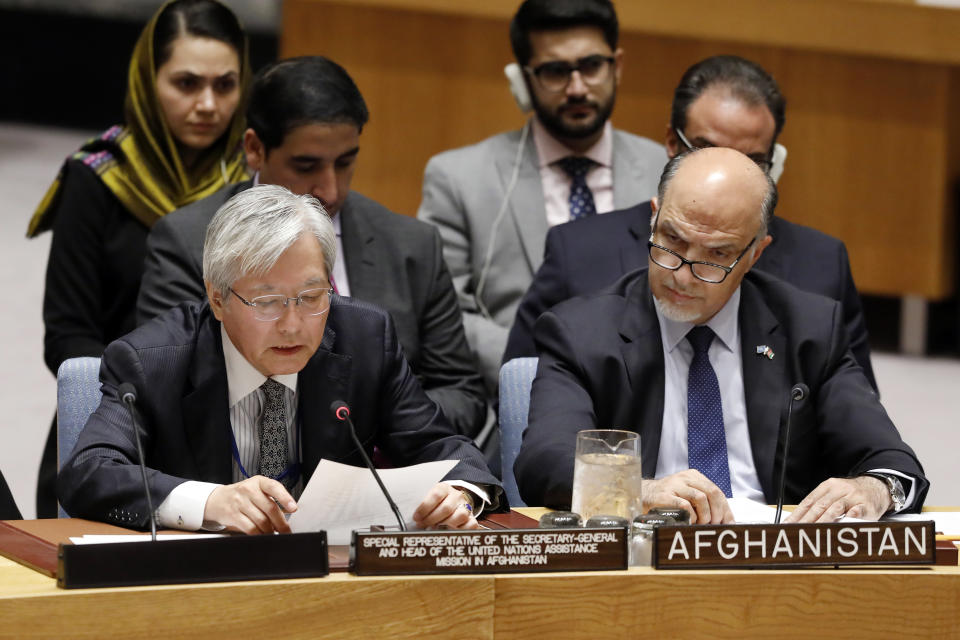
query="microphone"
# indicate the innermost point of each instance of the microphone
(128, 395)
(342, 413)
(797, 393)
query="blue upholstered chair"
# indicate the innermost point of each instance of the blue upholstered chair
(78, 395)
(516, 378)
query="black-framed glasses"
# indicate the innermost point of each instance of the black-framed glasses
(555, 76)
(706, 271)
(311, 302)
(762, 160)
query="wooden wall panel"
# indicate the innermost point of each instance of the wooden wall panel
(873, 149)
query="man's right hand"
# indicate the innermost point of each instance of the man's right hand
(250, 506)
(690, 490)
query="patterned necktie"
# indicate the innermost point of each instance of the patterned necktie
(581, 198)
(273, 430)
(706, 439)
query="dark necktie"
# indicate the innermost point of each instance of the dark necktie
(581, 198)
(706, 439)
(273, 430)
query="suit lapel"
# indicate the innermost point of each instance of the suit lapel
(774, 258)
(627, 173)
(642, 353)
(634, 255)
(205, 408)
(325, 379)
(762, 380)
(527, 207)
(360, 253)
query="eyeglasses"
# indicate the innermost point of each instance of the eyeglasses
(706, 271)
(555, 76)
(312, 302)
(762, 160)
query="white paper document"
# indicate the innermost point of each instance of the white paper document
(750, 512)
(340, 498)
(101, 539)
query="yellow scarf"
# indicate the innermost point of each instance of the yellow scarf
(139, 162)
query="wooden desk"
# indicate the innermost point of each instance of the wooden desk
(696, 604)
(873, 90)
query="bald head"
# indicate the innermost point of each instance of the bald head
(708, 231)
(721, 176)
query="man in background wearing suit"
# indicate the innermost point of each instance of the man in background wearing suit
(305, 117)
(699, 357)
(254, 371)
(721, 101)
(494, 201)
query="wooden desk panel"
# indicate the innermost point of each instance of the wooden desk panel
(731, 604)
(873, 90)
(338, 606)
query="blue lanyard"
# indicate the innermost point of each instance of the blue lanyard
(292, 468)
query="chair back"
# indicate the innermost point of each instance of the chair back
(78, 395)
(516, 378)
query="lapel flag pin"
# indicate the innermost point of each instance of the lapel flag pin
(764, 350)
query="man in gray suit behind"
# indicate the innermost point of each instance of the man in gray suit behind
(495, 201)
(305, 117)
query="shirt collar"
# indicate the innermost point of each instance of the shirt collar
(724, 324)
(242, 378)
(550, 150)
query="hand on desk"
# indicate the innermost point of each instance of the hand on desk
(690, 490)
(864, 497)
(250, 506)
(445, 505)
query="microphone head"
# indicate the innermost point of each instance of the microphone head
(340, 410)
(127, 392)
(799, 392)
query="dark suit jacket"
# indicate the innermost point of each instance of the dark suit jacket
(585, 256)
(601, 366)
(176, 363)
(392, 260)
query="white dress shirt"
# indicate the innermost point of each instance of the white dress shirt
(556, 182)
(724, 354)
(725, 358)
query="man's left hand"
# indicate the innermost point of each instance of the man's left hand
(864, 497)
(445, 505)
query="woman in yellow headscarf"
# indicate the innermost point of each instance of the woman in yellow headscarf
(180, 143)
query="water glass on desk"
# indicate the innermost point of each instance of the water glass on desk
(607, 474)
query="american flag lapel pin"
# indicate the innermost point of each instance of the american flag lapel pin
(764, 350)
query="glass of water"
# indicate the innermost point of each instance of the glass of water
(607, 473)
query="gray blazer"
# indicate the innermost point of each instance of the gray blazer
(463, 190)
(391, 260)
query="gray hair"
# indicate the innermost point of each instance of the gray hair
(767, 205)
(252, 229)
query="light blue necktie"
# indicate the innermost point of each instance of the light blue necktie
(706, 439)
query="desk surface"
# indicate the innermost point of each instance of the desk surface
(729, 604)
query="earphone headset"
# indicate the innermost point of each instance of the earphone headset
(518, 87)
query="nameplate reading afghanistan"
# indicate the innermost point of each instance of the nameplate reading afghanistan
(488, 551)
(792, 545)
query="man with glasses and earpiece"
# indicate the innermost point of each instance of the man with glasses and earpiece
(494, 201)
(705, 358)
(235, 392)
(722, 101)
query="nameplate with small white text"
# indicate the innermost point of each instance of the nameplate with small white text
(488, 551)
(759, 546)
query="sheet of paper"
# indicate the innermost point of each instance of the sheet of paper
(340, 498)
(749, 512)
(101, 539)
(948, 522)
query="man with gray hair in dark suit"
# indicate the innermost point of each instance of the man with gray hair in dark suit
(235, 392)
(305, 117)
